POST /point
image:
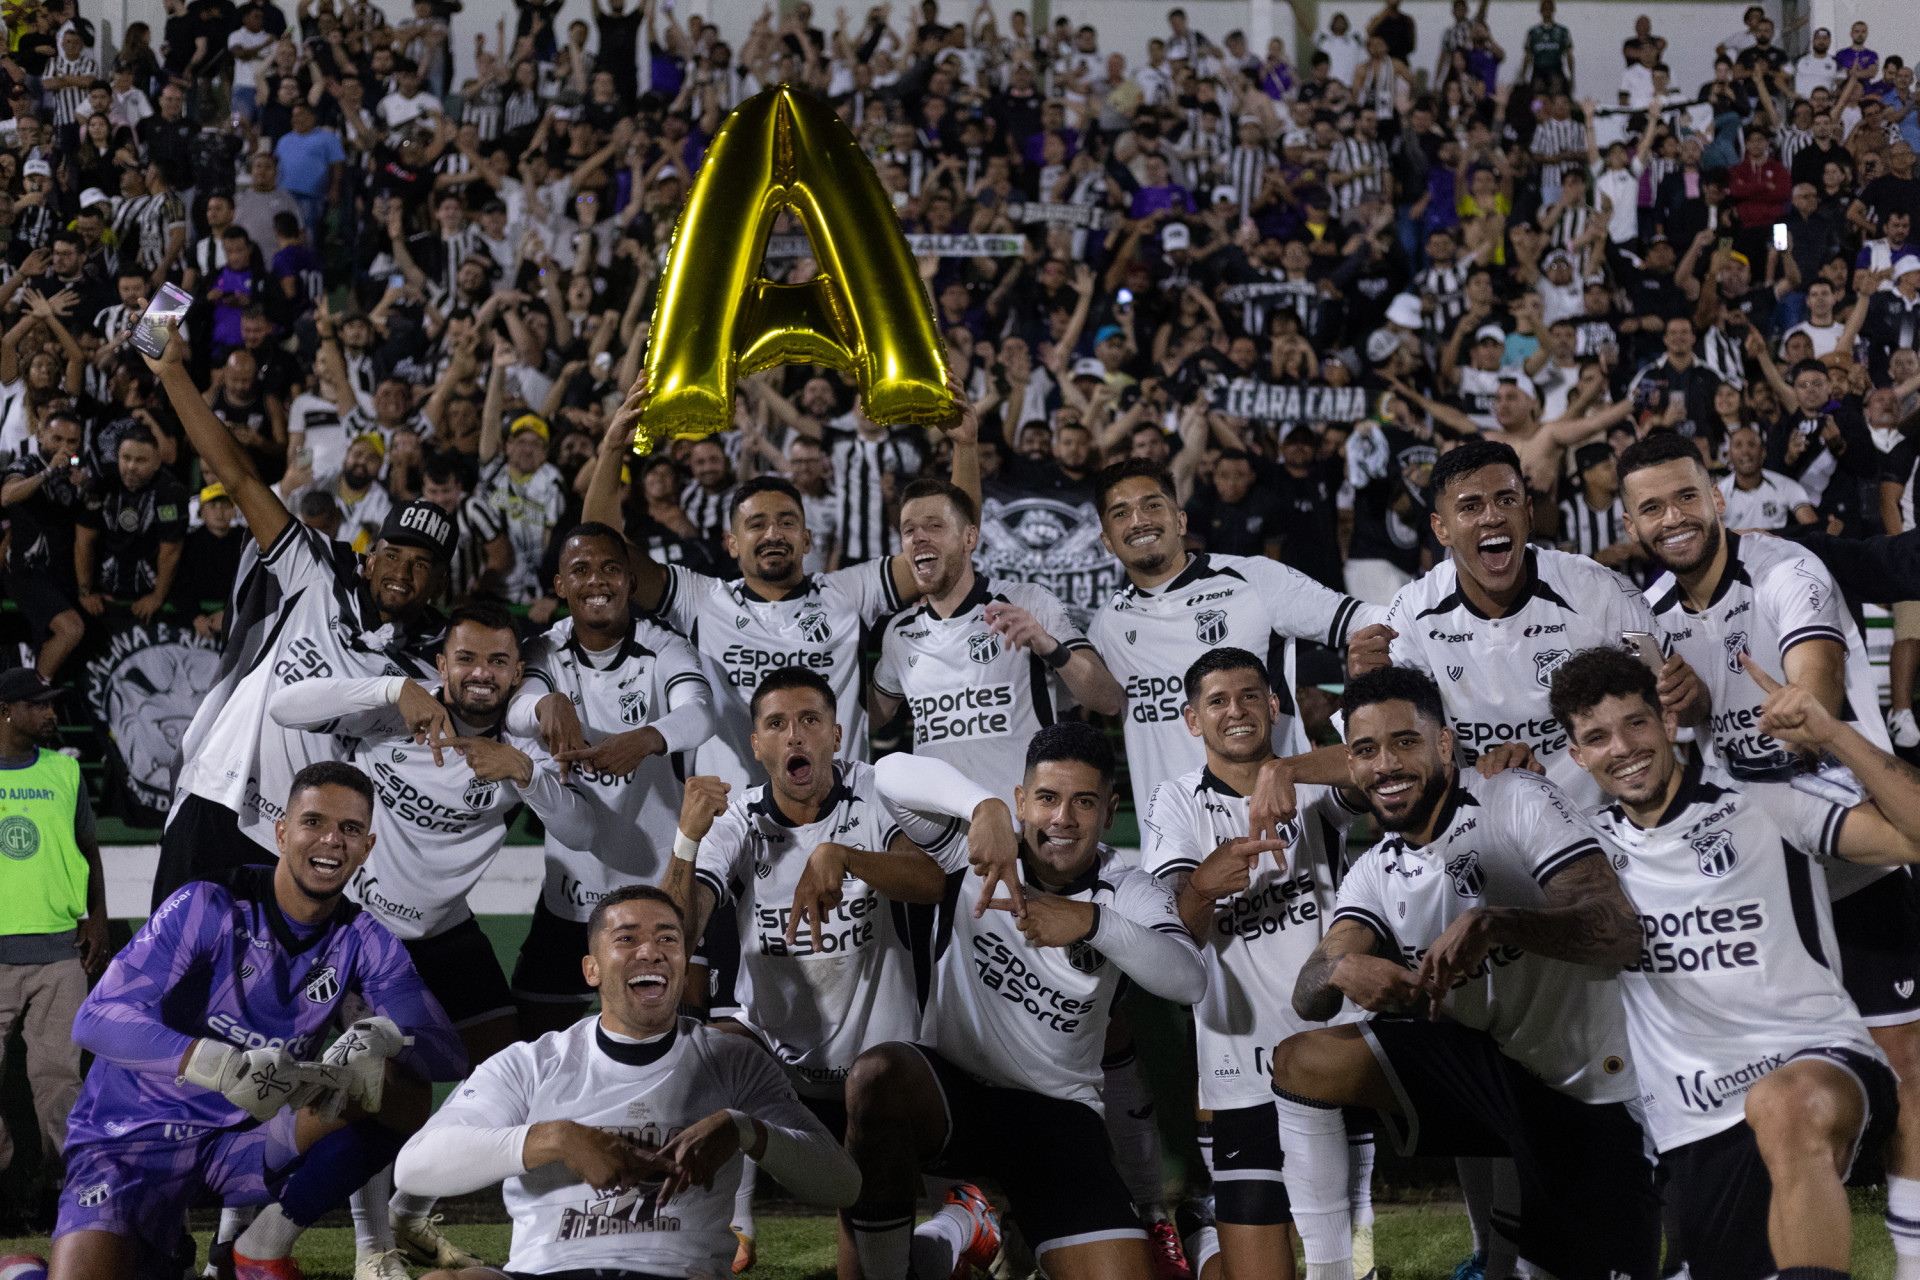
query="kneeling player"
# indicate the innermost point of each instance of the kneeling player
(1732, 991)
(1006, 1081)
(198, 1029)
(1256, 908)
(1493, 898)
(620, 1139)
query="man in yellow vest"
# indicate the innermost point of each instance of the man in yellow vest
(53, 901)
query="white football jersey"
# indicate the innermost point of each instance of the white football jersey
(1495, 673)
(437, 827)
(634, 814)
(744, 636)
(1029, 1017)
(1503, 839)
(1768, 505)
(1773, 596)
(303, 613)
(975, 702)
(562, 1224)
(1149, 639)
(1736, 970)
(820, 1010)
(1261, 935)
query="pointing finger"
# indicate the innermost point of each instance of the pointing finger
(1766, 682)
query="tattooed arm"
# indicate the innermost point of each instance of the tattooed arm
(1347, 963)
(1587, 920)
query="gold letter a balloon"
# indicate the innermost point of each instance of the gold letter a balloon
(718, 318)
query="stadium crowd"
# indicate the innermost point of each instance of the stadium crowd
(1533, 420)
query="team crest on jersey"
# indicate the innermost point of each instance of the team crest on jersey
(1736, 645)
(1210, 626)
(323, 985)
(93, 1197)
(1545, 664)
(1085, 957)
(633, 707)
(983, 648)
(1468, 880)
(1716, 853)
(1131, 635)
(813, 626)
(480, 794)
(1454, 673)
(1903, 988)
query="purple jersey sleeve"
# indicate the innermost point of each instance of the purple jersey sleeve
(388, 982)
(121, 1019)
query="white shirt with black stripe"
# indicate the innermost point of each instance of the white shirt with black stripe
(67, 102)
(707, 509)
(1366, 165)
(1551, 137)
(860, 464)
(1585, 531)
(477, 524)
(975, 702)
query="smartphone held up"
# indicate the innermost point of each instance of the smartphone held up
(168, 308)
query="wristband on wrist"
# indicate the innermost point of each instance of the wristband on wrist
(743, 1124)
(685, 847)
(1059, 658)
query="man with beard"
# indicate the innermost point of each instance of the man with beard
(1006, 1087)
(1178, 605)
(1726, 1000)
(128, 548)
(972, 661)
(1728, 604)
(441, 818)
(177, 1105)
(1490, 901)
(815, 864)
(617, 699)
(310, 607)
(776, 615)
(619, 1139)
(364, 502)
(1500, 615)
(1256, 908)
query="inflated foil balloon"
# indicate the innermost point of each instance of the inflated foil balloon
(718, 319)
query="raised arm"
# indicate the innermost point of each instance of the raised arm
(267, 517)
(602, 500)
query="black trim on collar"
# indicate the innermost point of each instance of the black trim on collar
(1694, 789)
(1456, 799)
(1082, 883)
(1211, 781)
(1531, 589)
(808, 585)
(636, 1055)
(839, 793)
(629, 647)
(1736, 571)
(978, 598)
(254, 883)
(1199, 565)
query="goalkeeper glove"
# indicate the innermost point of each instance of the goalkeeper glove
(258, 1081)
(360, 1058)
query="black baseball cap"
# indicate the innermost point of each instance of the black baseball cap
(25, 684)
(1592, 455)
(420, 524)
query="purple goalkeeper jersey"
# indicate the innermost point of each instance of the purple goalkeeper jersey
(221, 961)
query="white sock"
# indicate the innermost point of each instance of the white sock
(1132, 1128)
(1503, 1220)
(404, 1205)
(884, 1249)
(1476, 1188)
(1903, 1223)
(939, 1241)
(1313, 1142)
(233, 1222)
(271, 1236)
(372, 1228)
(1202, 1247)
(1360, 1153)
(1203, 1134)
(743, 1198)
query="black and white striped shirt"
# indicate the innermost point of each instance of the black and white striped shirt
(1246, 171)
(521, 110)
(208, 259)
(1366, 162)
(1570, 226)
(1586, 532)
(125, 225)
(1724, 356)
(1379, 91)
(115, 320)
(707, 510)
(160, 216)
(67, 102)
(1552, 137)
(1788, 141)
(482, 109)
(476, 523)
(859, 465)
(1447, 286)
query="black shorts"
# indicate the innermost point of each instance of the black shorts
(41, 597)
(548, 970)
(203, 841)
(460, 969)
(719, 951)
(1587, 1202)
(1879, 933)
(1720, 1193)
(1051, 1156)
(1247, 1189)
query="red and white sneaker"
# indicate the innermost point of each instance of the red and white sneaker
(985, 1243)
(1169, 1259)
(245, 1268)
